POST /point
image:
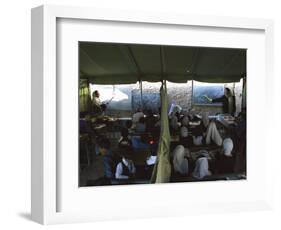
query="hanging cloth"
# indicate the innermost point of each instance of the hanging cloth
(84, 96)
(162, 168)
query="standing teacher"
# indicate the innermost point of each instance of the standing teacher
(228, 101)
(98, 108)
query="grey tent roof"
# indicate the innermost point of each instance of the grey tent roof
(112, 63)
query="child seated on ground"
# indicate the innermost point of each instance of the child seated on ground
(226, 160)
(104, 153)
(185, 139)
(124, 140)
(150, 121)
(125, 168)
(201, 169)
(174, 123)
(180, 161)
(140, 142)
(141, 126)
(211, 135)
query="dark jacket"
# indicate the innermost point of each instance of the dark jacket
(225, 104)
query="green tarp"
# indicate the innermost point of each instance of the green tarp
(113, 63)
(162, 169)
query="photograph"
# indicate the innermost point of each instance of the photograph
(161, 114)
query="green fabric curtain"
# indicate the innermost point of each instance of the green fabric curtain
(84, 97)
(162, 168)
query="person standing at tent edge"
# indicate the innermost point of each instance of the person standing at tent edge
(97, 107)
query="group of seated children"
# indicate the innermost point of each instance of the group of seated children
(145, 122)
(121, 166)
(183, 166)
(203, 135)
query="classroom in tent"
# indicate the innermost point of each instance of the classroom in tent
(161, 114)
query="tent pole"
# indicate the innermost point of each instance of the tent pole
(243, 93)
(191, 94)
(89, 96)
(141, 94)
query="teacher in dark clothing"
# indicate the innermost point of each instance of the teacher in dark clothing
(228, 101)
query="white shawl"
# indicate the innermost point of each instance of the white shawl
(201, 168)
(180, 163)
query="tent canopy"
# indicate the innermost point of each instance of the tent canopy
(112, 63)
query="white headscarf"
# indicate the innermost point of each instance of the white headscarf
(183, 131)
(205, 119)
(180, 163)
(201, 168)
(136, 117)
(227, 147)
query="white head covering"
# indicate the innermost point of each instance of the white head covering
(227, 147)
(201, 168)
(185, 120)
(136, 117)
(205, 119)
(180, 163)
(183, 131)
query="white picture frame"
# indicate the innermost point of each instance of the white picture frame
(46, 184)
